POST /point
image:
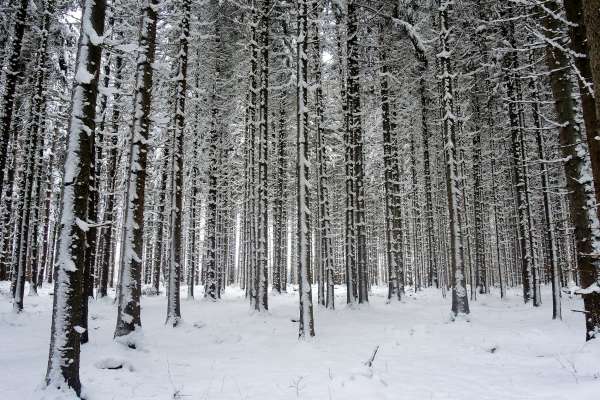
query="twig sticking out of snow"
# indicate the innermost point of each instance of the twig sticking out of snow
(369, 362)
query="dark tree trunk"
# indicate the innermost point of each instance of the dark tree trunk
(13, 74)
(581, 189)
(132, 236)
(63, 360)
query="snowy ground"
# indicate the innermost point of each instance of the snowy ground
(223, 351)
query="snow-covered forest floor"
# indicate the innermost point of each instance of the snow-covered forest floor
(224, 351)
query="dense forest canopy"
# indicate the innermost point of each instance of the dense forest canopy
(153, 145)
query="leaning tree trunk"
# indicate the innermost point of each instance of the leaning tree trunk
(63, 360)
(132, 239)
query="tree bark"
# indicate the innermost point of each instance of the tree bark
(63, 359)
(128, 317)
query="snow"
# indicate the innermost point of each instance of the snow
(224, 351)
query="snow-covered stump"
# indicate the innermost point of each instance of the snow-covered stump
(63, 359)
(128, 317)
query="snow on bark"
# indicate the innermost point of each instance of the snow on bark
(10, 83)
(128, 317)
(173, 306)
(263, 145)
(63, 359)
(306, 324)
(460, 302)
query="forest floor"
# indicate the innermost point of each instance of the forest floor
(224, 351)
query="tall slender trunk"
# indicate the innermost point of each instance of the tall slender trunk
(306, 324)
(262, 277)
(13, 73)
(175, 264)
(510, 66)
(460, 301)
(39, 110)
(111, 166)
(391, 179)
(128, 318)
(279, 214)
(324, 247)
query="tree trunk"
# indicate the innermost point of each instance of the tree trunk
(460, 301)
(128, 318)
(582, 199)
(583, 24)
(306, 324)
(175, 264)
(63, 360)
(13, 72)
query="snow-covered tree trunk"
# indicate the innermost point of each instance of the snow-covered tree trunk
(582, 200)
(176, 254)
(48, 195)
(279, 214)
(552, 257)
(262, 277)
(391, 178)
(132, 240)
(356, 139)
(306, 324)
(324, 247)
(63, 359)
(7, 209)
(109, 204)
(12, 76)
(592, 23)
(38, 129)
(583, 32)
(211, 288)
(510, 64)
(460, 301)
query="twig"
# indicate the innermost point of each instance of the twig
(369, 362)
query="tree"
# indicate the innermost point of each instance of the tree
(132, 240)
(460, 301)
(306, 325)
(592, 23)
(175, 261)
(10, 83)
(63, 360)
(582, 201)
